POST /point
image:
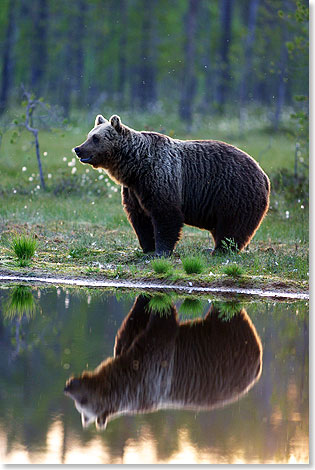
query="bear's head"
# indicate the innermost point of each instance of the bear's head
(82, 391)
(102, 143)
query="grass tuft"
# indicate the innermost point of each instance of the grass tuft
(233, 270)
(193, 264)
(78, 252)
(161, 265)
(24, 248)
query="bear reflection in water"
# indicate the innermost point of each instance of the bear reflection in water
(160, 363)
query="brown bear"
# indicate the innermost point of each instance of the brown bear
(160, 363)
(169, 182)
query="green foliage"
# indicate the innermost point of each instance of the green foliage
(193, 264)
(161, 265)
(24, 247)
(233, 270)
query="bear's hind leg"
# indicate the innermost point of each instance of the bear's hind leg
(226, 239)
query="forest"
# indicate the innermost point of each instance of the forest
(192, 57)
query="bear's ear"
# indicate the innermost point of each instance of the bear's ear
(116, 123)
(99, 120)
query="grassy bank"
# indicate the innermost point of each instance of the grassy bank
(81, 229)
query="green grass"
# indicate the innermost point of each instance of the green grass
(193, 264)
(233, 270)
(161, 265)
(24, 248)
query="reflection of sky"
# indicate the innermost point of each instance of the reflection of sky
(143, 450)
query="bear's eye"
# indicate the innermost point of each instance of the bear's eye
(95, 139)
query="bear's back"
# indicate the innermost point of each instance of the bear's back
(215, 361)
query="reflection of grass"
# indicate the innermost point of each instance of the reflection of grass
(227, 310)
(24, 248)
(21, 301)
(191, 307)
(193, 264)
(160, 303)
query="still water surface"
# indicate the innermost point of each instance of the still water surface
(187, 381)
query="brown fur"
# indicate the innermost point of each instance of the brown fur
(161, 363)
(167, 183)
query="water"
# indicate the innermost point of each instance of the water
(229, 386)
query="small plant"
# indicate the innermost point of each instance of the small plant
(24, 248)
(78, 252)
(161, 265)
(233, 270)
(193, 264)
(229, 245)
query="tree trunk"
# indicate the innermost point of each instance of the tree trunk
(281, 84)
(189, 83)
(147, 69)
(224, 61)
(7, 63)
(208, 69)
(248, 54)
(122, 47)
(78, 50)
(39, 46)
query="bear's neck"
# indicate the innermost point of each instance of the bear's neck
(132, 159)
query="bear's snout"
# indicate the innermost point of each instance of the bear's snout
(77, 150)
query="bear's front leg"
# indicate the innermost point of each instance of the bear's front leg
(135, 323)
(167, 224)
(139, 220)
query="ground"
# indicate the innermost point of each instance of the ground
(82, 231)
